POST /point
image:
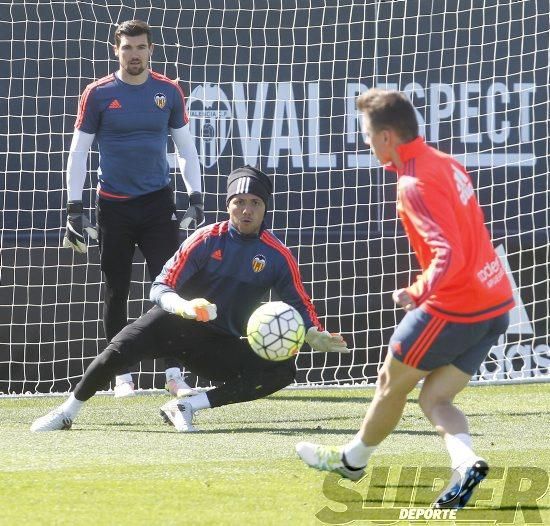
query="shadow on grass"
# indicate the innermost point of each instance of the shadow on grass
(332, 400)
(241, 422)
(506, 413)
(299, 431)
(135, 428)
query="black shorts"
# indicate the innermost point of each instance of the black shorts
(148, 221)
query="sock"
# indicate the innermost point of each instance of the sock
(199, 401)
(173, 373)
(357, 453)
(71, 406)
(460, 449)
(123, 378)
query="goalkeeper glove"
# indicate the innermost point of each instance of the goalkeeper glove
(77, 222)
(326, 341)
(195, 212)
(198, 309)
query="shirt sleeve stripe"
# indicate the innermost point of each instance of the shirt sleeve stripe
(82, 107)
(272, 241)
(430, 230)
(183, 255)
(85, 96)
(445, 252)
(190, 244)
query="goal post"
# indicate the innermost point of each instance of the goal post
(273, 83)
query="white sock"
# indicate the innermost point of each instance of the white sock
(357, 453)
(123, 379)
(71, 406)
(173, 373)
(198, 401)
(460, 449)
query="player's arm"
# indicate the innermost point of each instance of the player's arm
(290, 289)
(431, 215)
(188, 160)
(199, 309)
(183, 265)
(77, 222)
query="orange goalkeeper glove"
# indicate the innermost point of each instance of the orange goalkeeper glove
(198, 309)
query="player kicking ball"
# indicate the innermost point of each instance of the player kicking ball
(204, 297)
(455, 311)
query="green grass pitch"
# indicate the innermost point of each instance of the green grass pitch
(121, 465)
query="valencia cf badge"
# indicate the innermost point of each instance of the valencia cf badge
(258, 263)
(160, 100)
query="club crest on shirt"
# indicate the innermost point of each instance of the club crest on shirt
(160, 100)
(258, 263)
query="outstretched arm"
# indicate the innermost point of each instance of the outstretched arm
(291, 290)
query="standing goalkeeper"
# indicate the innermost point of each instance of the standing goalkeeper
(130, 113)
(205, 295)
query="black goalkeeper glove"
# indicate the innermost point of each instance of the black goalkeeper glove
(195, 212)
(77, 222)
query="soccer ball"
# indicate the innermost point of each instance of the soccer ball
(276, 331)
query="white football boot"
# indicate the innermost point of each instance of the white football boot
(327, 458)
(55, 420)
(179, 413)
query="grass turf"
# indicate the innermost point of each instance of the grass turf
(121, 465)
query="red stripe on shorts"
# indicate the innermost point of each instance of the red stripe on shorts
(424, 341)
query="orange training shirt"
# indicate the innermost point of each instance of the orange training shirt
(462, 277)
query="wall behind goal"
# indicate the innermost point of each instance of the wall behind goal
(273, 84)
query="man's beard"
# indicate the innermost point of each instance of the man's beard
(135, 72)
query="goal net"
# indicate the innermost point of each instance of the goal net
(273, 83)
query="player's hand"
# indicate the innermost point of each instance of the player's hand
(326, 341)
(198, 309)
(195, 212)
(402, 298)
(77, 222)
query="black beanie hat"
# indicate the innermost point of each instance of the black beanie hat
(249, 180)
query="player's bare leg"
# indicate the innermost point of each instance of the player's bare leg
(436, 401)
(395, 381)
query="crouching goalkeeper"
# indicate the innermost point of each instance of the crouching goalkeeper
(204, 296)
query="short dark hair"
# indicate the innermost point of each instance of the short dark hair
(389, 109)
(132, 28)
